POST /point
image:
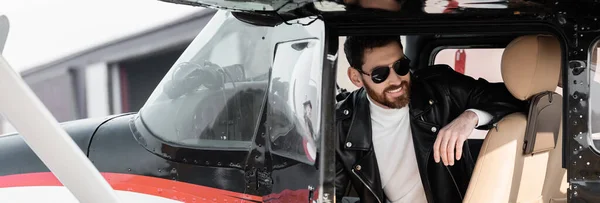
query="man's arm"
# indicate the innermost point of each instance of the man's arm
(468, 93)
(493, 98)
(464, 125)
(483, 118)
(476, 96)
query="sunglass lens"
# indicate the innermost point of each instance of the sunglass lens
(402, 67)
(379, 74)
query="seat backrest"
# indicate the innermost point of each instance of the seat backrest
(514, 157)
(555, 185)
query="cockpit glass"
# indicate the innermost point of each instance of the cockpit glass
(214, 93)
(237, 81)
(294, 98)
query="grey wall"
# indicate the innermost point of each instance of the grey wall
(58, 93)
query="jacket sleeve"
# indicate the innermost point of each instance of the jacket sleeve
(493, 98)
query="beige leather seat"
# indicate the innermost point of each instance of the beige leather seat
(520, 159)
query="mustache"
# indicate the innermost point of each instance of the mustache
(404, 84)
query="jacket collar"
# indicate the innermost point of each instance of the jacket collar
(359, 135)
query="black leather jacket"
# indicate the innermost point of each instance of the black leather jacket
(438, 96)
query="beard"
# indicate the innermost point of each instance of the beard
(394, 103)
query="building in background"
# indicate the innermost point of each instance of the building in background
(112, 78)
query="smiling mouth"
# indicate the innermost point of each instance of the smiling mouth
(395, 90)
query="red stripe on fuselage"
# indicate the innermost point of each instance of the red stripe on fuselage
(171, 189)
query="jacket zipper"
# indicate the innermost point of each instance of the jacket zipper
(366, 185)
(454, 181)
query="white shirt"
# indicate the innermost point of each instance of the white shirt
(394, 150)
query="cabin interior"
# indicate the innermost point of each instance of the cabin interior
(506, 168)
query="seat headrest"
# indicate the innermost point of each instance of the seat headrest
(531, 65)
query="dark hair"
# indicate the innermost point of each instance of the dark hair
(355, 47)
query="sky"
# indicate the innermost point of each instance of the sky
(45, 30)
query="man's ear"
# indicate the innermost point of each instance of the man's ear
(354, 77)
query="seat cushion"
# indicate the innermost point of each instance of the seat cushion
(502, 173)
(492, 178)
(555, 185)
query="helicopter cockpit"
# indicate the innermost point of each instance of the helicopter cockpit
(213, 96)
(247, 112)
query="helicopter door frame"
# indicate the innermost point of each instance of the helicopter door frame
(580, 156)
(328, 130)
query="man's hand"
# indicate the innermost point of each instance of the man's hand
(452, 136)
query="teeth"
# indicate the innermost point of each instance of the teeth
(396, 90)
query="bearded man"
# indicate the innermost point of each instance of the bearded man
(402, 134)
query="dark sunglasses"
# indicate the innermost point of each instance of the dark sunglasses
(381, 73)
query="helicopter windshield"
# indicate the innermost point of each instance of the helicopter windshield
(231, 77)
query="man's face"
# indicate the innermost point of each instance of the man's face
(394, 92)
